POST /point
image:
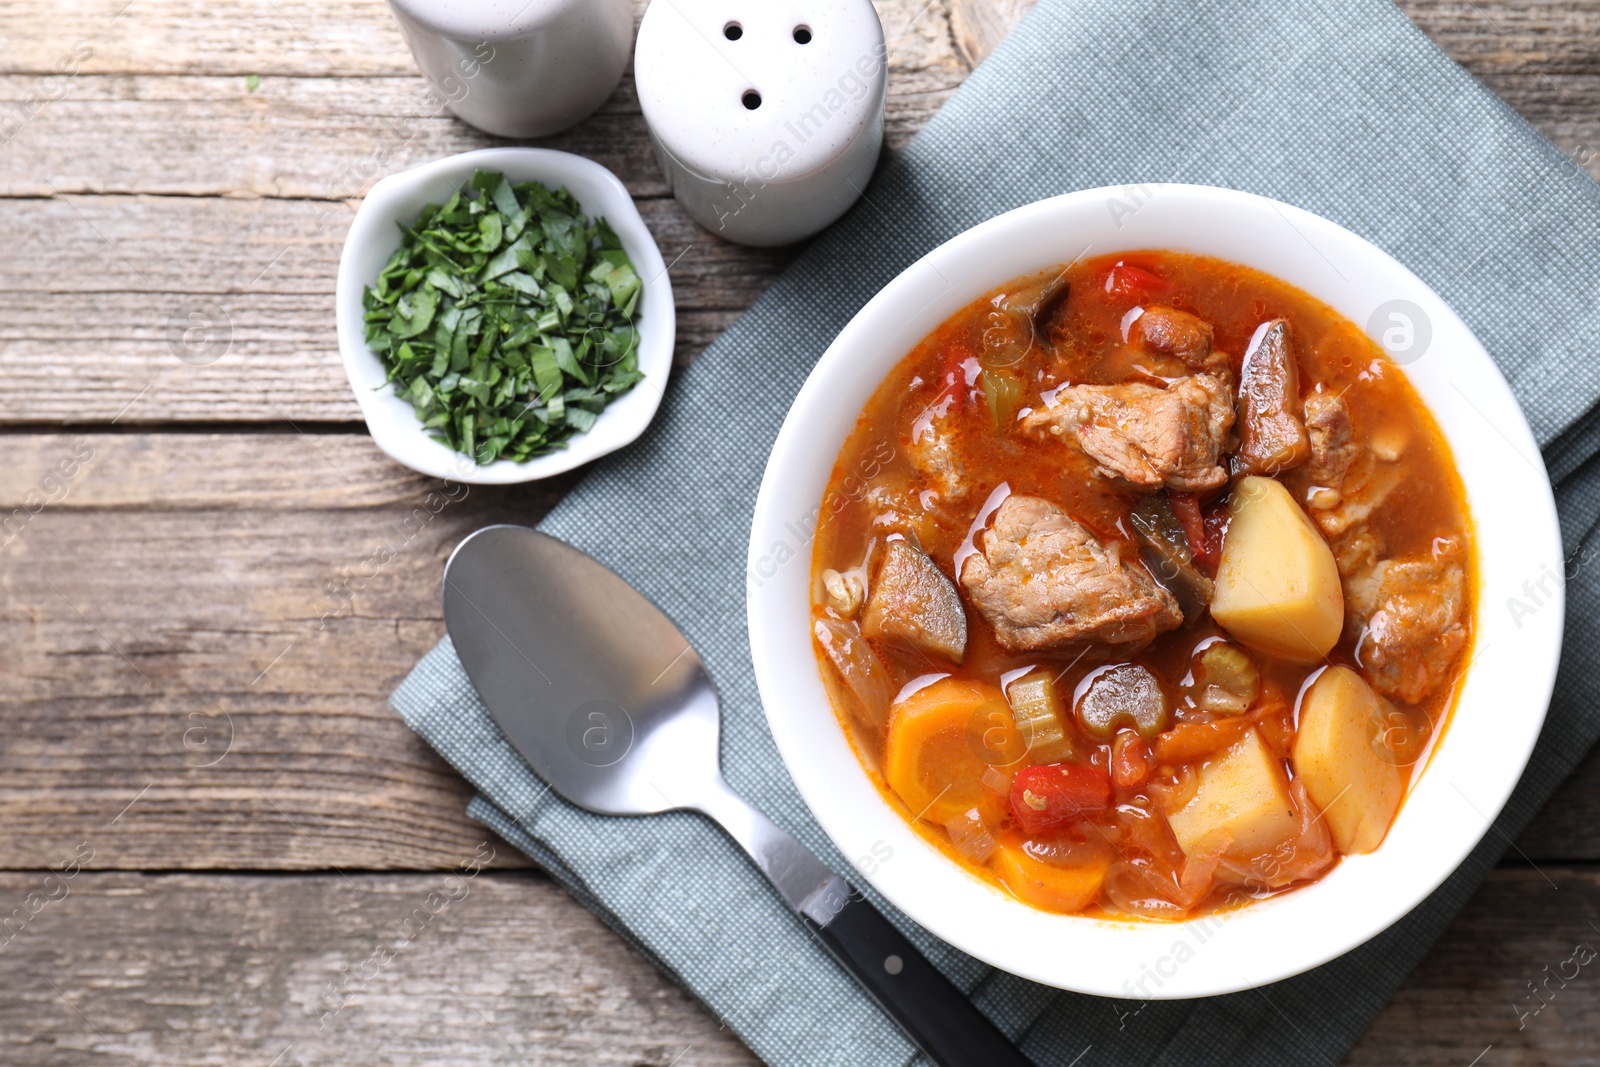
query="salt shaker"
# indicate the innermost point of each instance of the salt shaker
(766, 117)
(519, 68)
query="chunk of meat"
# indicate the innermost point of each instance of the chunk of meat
(1146, 435)
(1364, 492)
(1174, 333)
(1356, 551)
(1272, 437)
(1333, 448)
(914, 605)
(1410, 617)
(1043, 580)
(1343, 482)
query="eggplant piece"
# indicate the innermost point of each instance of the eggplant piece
(1167, 554)
(915, 605)
(1024, 324)
(1272, 431)
(1039, 301)
(1006, 345)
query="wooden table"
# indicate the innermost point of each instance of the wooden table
(213, 579)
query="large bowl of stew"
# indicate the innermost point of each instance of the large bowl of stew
(1154, 592)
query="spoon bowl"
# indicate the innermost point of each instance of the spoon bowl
(589, 680)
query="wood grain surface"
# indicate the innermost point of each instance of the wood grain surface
(432, 970)
(212, 579)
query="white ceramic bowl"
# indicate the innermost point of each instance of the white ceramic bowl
(1472, 770)
(374, 237)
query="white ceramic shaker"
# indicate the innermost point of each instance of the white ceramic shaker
(519, 68)
(766, 115)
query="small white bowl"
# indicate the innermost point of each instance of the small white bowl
(373, 238)
(1472, 770)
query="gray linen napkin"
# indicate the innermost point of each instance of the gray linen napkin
(1339, 106)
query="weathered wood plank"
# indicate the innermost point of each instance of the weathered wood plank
(184, 970)
(201, 472)
(351, 39)
(977, 26)
(1492, 37)
(104, 287)
(1489, 39)
(321, 138)
(205, 969)
(294, 137)
(193, 128)
(213, 624)
(1473, 999)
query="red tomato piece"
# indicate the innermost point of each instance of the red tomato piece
(1202, 530)
(1043, 797)
(952, 373)
(1125, 279)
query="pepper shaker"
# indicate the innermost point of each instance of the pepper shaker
(519, 68)
(766, 118)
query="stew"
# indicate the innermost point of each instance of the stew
(1144, 586)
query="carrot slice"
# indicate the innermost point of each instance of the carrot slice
(1046, 885)
(941, 740)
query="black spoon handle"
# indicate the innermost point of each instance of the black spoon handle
(935, 1015)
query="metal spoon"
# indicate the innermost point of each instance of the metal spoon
(608, 704)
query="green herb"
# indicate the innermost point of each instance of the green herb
(252, 82)
(506, 319)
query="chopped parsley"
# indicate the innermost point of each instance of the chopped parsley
(506, 318)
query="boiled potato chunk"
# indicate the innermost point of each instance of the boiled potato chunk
(1277, 585)
(1339, 755)
(1242, 793)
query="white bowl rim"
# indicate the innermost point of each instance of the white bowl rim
(390, 420)
(1272, 939)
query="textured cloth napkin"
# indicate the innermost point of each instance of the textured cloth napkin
(1338, 106)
